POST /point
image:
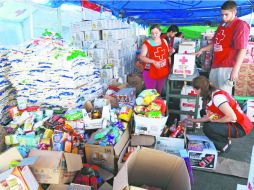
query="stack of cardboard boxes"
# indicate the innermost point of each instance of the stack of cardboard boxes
(245, 84)
(184, 60)
(111, 44)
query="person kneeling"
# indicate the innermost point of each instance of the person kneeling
(224, 118)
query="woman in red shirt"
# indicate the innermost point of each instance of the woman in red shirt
(224, 118)
(155, 55)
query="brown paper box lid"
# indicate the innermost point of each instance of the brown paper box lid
(47, 159)
(73, 162)
(7, 156)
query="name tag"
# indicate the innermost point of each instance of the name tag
(217, 47)
(163, 63)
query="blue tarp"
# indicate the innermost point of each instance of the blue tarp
(180, 12)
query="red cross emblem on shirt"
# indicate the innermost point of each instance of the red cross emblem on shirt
(183, 60)
(220, 37)
(160, 53)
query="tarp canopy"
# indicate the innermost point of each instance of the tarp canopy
(180, 12)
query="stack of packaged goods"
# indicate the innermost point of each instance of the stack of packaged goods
(111, 44)
(48, 73)
(150, 111)
(7, 92)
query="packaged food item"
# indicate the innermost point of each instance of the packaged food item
(153, 114)
(140, 109)
(125, 113)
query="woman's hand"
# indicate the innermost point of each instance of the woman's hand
(200, 120)
(157, 64)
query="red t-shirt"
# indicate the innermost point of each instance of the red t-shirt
(237, 38)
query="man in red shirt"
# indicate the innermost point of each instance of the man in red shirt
(230, 46)
(169, 36)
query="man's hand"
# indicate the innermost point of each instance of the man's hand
(199, 52)
(234, 74)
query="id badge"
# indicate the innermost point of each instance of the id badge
(147, 66)
(217, 47)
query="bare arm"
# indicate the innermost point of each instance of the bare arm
(143, 54)
(206, 48)
(201, 120)
(239, 60)
(229, 114)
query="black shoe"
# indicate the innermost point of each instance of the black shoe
(225, 149)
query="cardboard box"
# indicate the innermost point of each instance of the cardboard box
(106, 156)
(248, 108)
(149, 126)
(143, 140)
(186, 48)
(153, 168)
(189, 104)
(126, 95)
(116, 44)
(170, 145)
(60, 168)
(136, 80)
(240, 91)
(250, 183)
(120, 162)
(105, 186)
(96, 123)
(101, 44)
(116, 62)
(115, 53)
(99, 24)
(93, 35)
(97, 53)
(136, 141)
(205, 158)
(184, 63)
(10, 154)
(21, 175)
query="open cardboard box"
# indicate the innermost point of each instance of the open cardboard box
(105, 175)
(21, 175)
(54, 167)
(10, 155)
(105, 186)
(106, 156)
(97, 123)
(153, 168)
(135, 141)
(149, 126)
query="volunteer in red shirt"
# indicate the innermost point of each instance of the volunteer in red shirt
(230, 46)
(169, 36)
(155, 55)
(224, 118)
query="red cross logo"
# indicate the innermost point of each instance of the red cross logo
(192, 93)
(220, 37)
(183, 60)
(160, 53)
